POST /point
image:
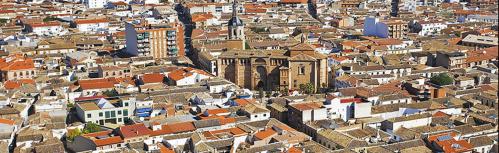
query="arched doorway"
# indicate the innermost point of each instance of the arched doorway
(261, 77)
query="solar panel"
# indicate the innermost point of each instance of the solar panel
(444, 138)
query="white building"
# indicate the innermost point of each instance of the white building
(103, 112)
(92, 4)
(430, 28)
(187, 76)
(347, 108)
(46, 29)
(92, 25)
(408, 121)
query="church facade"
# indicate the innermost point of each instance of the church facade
(274, 69)
(264, 69)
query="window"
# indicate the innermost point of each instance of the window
(89, 115)
(301, 70)
(126, 104)
(294, 83)
(264, 115)
(255, 116)
(120, 120)
(101, 114)
(113, 114)
(108, 114)
(125, 112)
(119, 112)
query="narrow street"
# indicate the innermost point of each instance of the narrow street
(185, 17)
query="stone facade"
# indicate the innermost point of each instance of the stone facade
(274, 69)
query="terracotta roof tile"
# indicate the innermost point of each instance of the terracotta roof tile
(136, 130)
(90, 21)
(7, 121)
(45, 24)
(265, 133)
(153, 78)
(306, 106)
(182, 73)
(14, 84)
(293, 1)
(17, 63)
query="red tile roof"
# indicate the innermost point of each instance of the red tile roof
(45, 24)
(174, 128)
(182, 73)
(164, 149)
(244, 102)
(306, 106)
(253, 10)
(7, 121)
(440, 114)
(451, 145)
(226, 120)
(16, 63)
(201, 17)
(217, 111)
(7, 11)
(95, 84)
(103, 138)
(104, 83)
(120, 3)
(293, 150)
(293, 1)
(136, 130)
(390, 41)
(351, 100)
(153, 78)
(14, 84)
(482, 55)
(90, 21)
(108, 141)
(265, 133)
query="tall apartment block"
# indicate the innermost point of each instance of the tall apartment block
(158, 42)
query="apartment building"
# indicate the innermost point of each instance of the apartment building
(160, 42)
(451, 60)
(385, 29)
(105, 112)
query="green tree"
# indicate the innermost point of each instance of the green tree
(268, 94)
(3, 21)
(261, 92)
(70, 105)
(111, 93)
(308, 88)
(48, 19)
(285, 91)
(73, 133)
(442, 79)
(91, 128)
